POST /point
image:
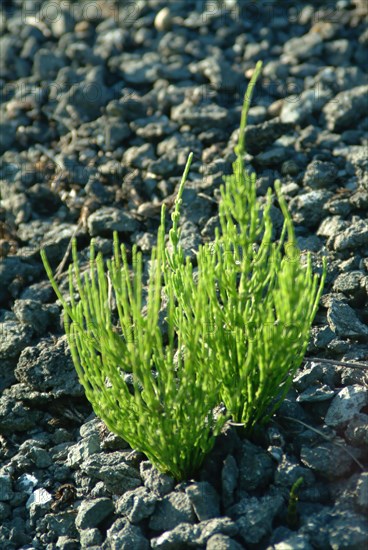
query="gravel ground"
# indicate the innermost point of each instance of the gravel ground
(101, 104)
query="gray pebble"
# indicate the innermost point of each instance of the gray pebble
(320, 175)
(173, 509)
(344, 322)
(316, 394)
(298, 109)
(222, 542)
(14, 337)
(256, 467)
(137, 504)
(108, 219)
(124, 536)
(92, 512)
(113, 469)
(355, 236)
(346, 108)
(15, 416)
(327, 460)
(345, 405)
(259, 137)
(159, 483)
(357, 431)
(49, 368)
(204, 499)
(304, 47)
(200, 116)
(139, 157)
(254, 516)
(163, 20)
(192, 535)
(308, 207)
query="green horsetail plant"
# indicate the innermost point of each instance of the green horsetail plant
(237, 329)
(266, 298)
(292, 517)
(169, 411)
(261, 298)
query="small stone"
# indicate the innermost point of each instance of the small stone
(137, 504)
(163, 20)
(222, 542)
(61, 24)
(289, 470)
(66, 543)
(82, 450)
(308, 207)
(337, 51)
(296, 542)
(345, 405)
(159, 483)
(26, 483)
(261, 136)
(124, 536)
(46, 367)
(14, 337)
(19, 206)
(139, 157)
(320, 174)
(229, 480)
(61, 524)
(331, 226)
(173, 509)
(298, 109)
(362, 491)
(39, 497)
(273, 156)
(115, 133)
(322, 336)
(290, 168)
(345, 110)
(349, 532)
(342, 207)
(112, 468)
(6, 491)
(354, 285)
(304, 47)
(144, 70)
(31, 312)
(327, 460)
(355, 236)
(92, 512)
(254, 516)
(200, 116)
(204, 499)
(322, 527)
(47, 64)
(154, 127)
(15, 416)
(344, 322)
(256, 467)
(40, 457)
(192, 536)
(221, 75)
(316, 394)
(108, 219)
(90, 538)
(357, 431)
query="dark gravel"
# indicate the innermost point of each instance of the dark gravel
(101, 104)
